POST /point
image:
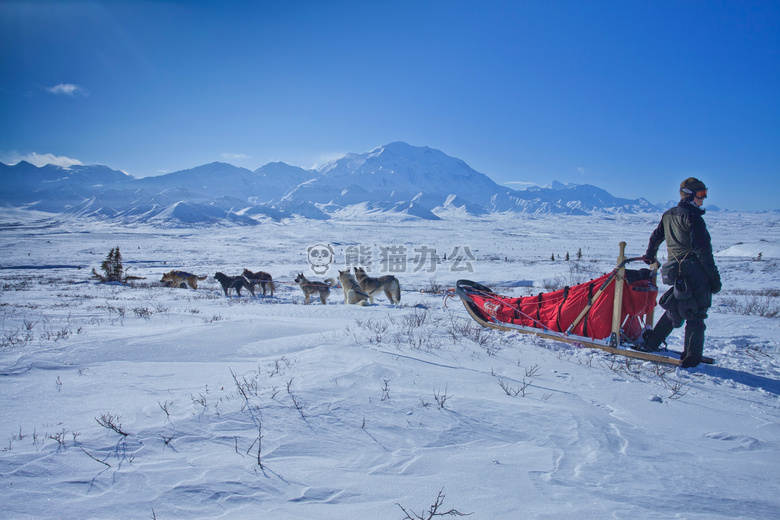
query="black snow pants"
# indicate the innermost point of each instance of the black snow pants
(692, 311)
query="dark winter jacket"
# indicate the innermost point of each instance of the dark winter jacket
(687, 238)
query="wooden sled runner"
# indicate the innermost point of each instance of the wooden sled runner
(608, 313)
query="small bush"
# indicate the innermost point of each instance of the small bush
(764, 303)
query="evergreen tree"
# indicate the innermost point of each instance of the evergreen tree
(113, 270)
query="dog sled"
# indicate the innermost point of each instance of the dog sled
(608, 313)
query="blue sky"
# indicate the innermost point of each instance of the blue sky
(631, 96)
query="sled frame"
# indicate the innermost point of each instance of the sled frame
(610, 345)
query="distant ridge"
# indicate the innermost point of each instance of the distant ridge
(397, 179)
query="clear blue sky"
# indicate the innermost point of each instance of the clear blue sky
(631, 96)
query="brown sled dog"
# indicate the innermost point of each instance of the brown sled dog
(388, 283)
(260, 277)
(176, 278)
(234, 282)
(310, 288)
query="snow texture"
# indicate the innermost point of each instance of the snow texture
(262, 407)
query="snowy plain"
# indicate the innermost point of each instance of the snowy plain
(262, 407)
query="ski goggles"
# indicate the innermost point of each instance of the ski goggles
(699, 194)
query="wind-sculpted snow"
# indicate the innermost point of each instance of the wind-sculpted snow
(249, 407)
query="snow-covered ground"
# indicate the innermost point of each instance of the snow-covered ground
(268, 408)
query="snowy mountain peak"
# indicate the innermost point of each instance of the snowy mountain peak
(555, 185)
(416, 181)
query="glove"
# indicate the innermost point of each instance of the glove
(648, 260)
(715, 286)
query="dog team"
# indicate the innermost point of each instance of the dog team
(359, 289)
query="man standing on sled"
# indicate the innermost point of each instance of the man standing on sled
(693, 272)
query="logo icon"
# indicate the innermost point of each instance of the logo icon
(320, 257)
(491, 308)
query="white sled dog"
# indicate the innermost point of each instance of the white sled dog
(353, 294)
(310, 288)
(387, 283)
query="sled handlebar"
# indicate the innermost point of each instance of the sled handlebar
(629, 260)
(620, 266)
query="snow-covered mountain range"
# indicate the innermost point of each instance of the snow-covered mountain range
(395, 179)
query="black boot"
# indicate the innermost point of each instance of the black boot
(694, 343)
(658, 334)
(645, 343)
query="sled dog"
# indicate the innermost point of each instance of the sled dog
(260, 277)
(234, 282)
(388, 283)
(176, 278)
(353, 294)
(310, 288)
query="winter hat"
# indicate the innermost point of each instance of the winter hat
(690, 186)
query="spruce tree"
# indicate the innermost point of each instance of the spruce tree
(113, 270)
